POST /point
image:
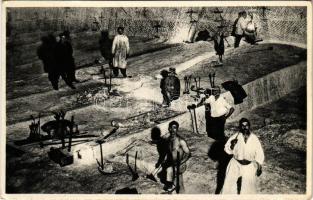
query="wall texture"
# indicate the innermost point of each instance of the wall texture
(25, 26)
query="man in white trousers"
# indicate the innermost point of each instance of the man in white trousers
(248, 157)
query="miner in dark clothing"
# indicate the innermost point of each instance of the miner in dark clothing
(170, 87)
(219, 45)
(65, 60)
(72, 67)
(46, 53)
(166, 99)
(105, 44)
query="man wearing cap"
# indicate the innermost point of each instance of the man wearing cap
(170, 87)
(120, 52)
(248, 157)
(217, 111)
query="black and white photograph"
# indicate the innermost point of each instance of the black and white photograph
(166, 98)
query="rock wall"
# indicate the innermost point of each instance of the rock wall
(25, 26)
(264, 90)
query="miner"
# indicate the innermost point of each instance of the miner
(217, 111)
(219, 45)
(71, 65)
(46, 53)
(248, 157)
(120, 51)
(105, 44)
(233, 33)
(166, 96)
(240, 28)
(251, 31)
(176, 158)
(65, 60)
(170, 86)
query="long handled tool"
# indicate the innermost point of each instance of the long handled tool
(101, 154)
(110, 80)
(152, 175)
(210, 79)
(192, 118)
(104, 76)
(186, 91)
(101, 168)
(70, 136)
(193, 107)
(41, 144)
(135, 175)
(228, 45)
(177, 173)
(39, 126)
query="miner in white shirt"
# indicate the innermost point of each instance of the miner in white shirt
(120, 51)
(240, 28)
(217, 111)
(248, 157)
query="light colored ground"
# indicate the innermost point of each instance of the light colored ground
(34, 172)
(283, 173)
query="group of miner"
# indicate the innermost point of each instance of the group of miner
(244, 146)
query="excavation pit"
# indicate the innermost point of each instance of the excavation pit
(265, 78)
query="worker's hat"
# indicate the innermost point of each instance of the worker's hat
(173, 70)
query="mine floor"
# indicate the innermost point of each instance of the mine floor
(33, 172)
(283, 173)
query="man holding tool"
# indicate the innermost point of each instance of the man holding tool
(175, 163)
(248, 157)
(217, 111)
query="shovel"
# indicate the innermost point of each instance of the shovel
(152, 175)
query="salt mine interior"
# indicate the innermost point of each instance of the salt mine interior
(272, 72)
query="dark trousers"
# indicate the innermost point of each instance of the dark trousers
(166, 97)
(71, 75)
(215, 127)
(116, 71)
(237, 40)
(54, 79)
(250, 38)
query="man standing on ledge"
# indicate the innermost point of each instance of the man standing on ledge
(248, 157)
(120, 51)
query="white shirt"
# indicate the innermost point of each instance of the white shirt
(241, 26)
(120, 42)
(252, 150)
(219, 107)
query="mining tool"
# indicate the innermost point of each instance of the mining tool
(134, 173)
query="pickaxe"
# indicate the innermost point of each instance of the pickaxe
(135, 175)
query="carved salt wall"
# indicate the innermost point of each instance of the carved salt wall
(25, 26)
